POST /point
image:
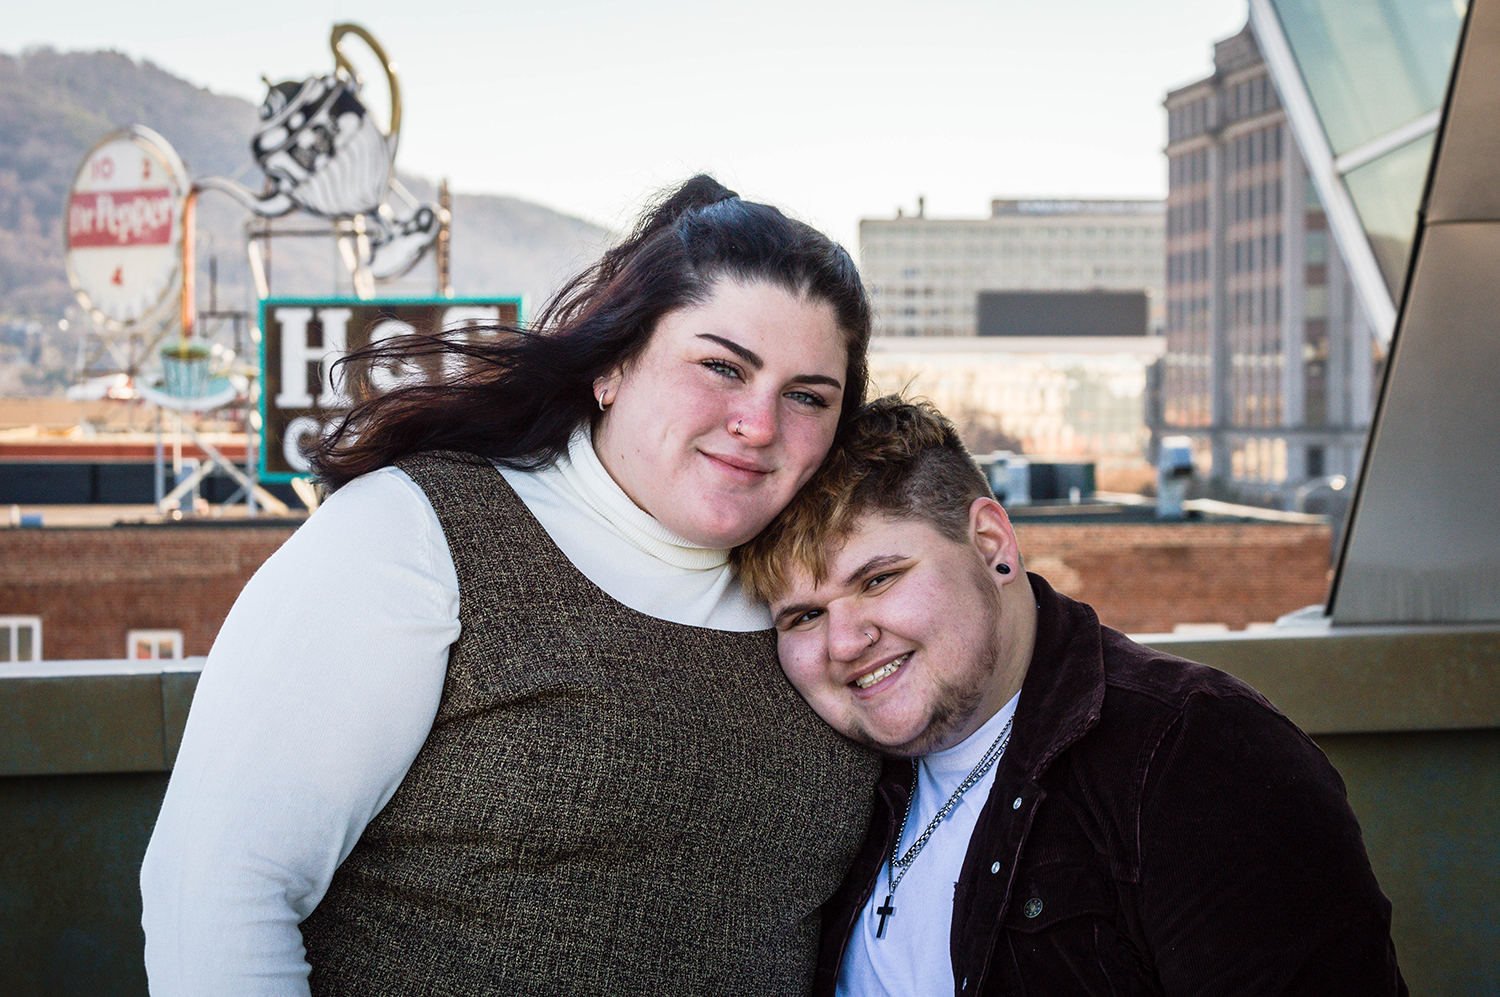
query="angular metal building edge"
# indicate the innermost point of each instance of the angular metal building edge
(1423, 544)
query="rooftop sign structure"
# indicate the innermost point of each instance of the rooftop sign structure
(123, 234)
(323, 153)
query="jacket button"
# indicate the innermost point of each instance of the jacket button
(1033, 907)
(995, 868)
(1016, 805)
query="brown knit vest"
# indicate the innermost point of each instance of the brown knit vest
(607, 803)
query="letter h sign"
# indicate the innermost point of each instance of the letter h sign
(304, 365)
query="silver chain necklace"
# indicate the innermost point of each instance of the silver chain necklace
(898, 866)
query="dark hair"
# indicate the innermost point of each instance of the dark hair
(900, 458)
(522, 395)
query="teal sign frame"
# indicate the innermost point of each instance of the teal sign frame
(303, 338)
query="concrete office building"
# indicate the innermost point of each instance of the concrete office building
(925, 275)
(1058, 396)
(1272, 363)
(1013, 323)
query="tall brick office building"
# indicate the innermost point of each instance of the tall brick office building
(1271, 364)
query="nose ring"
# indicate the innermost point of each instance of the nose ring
(870, 637)
(737, 426)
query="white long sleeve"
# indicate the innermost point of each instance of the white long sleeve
(322, 687)
(318, 693)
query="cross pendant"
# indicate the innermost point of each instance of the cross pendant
(885, 912)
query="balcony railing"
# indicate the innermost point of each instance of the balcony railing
(1409, 715)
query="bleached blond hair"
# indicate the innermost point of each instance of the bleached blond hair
(902, 459)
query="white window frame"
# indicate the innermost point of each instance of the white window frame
(12, 625)
(172, 638)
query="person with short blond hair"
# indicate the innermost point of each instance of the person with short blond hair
(1062, 810)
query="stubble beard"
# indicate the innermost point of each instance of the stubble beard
(957, 701)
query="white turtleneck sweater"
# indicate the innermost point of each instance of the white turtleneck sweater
(321, 688)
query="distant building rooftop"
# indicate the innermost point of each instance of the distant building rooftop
(1075, 206)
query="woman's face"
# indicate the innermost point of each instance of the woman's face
(727, 411)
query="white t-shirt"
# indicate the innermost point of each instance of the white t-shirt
(321, 688)
(913, 957)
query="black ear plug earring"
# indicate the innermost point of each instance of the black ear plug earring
(1003, 568)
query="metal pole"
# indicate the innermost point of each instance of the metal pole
(189, 264)
(161, 471)
(445, 241)
(252, 468)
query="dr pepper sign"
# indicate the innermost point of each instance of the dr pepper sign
(124, 228)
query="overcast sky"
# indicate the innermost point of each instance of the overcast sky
(834, 111)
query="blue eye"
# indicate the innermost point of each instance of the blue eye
(723, 368)
(809, 398)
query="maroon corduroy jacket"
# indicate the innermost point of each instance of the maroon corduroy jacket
(1156, 827)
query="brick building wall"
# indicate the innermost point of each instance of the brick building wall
(90, 586)
(1150, 577)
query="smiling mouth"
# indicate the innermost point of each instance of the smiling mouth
(883, 672)
(739, 466)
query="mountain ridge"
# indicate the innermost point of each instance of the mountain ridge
(55, 106)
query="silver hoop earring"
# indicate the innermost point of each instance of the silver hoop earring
(600, 399)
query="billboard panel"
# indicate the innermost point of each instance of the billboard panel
(302, 339)
(1062, 313)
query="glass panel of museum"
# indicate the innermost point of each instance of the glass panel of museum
(1386, 192)
(1371, 66)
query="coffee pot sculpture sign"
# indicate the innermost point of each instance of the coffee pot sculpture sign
(323, 152)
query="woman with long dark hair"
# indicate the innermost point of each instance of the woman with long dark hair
(498, 719)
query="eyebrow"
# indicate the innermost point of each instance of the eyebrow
(870, 567)
(793, 612)
(754, 359)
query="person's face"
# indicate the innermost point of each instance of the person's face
(727, 411)
(903, 645)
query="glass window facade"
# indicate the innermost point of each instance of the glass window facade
(1387, 192)
(1371, 66)
(20, 639)
(1374, 73)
